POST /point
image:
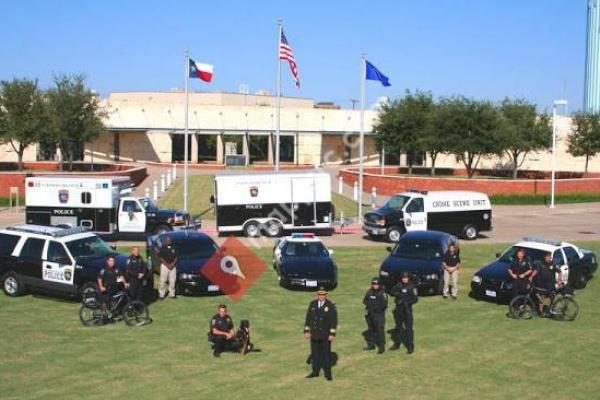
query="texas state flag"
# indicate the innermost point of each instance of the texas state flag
(202, 71)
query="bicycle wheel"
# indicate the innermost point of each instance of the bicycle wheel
(564, 309)
(521, 307)
(135, 313)
(90, 316)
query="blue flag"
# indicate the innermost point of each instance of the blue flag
(373, 74)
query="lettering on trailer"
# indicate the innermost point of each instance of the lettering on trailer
(63, 212)
(458, 203)
(254, 206)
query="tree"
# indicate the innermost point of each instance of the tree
(522, 131)
(22, 115)
(469, 128)
(584, 139)
(403, 122)
(433, 141)
(75, 115)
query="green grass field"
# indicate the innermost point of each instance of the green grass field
(464, 348)
(521, 199)
(201, 188)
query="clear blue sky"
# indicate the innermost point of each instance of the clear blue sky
(486, 49)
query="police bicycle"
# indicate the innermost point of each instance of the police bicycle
(94, 312)
(563, 306)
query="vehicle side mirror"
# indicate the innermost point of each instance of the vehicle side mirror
(330, 252)
(498, 255)
(212, 199)
(113, 246)
(389, 248)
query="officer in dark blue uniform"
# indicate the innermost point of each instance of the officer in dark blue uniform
(221, 331)
(520, 271)
(405, 294)
(376, 302)
(107, 282)
(134, 272)
(320, 327)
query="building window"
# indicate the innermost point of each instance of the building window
(46, 151)
(233, 144)
(86, 197)
(178, 148)
(116, 146)
(416, 158)
(207, 148)
(259, 148)
(286, 149)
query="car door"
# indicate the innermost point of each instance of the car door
(57, 265)
(573, 260)
(29, 262)
(132, 216)
(415, 217)
(559, 261)
(8, 243)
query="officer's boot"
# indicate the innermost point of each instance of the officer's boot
(396, 346)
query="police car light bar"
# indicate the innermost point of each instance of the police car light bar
(303, 235)
(46, 230)
(414, 190)
(536, 239)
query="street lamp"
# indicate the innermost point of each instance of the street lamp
(555, 104)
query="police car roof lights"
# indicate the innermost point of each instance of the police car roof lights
(46, 230)
(303, 235)
(414, 190)
(536, 239)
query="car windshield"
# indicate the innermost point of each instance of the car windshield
(396, 202)
(191, 249)
(148, 204)
(535, 255)
(304, 249)
(419, 249)
(89, 247)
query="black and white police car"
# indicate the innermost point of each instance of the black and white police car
(302, 260)
(53, 260)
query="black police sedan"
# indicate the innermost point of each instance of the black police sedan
(302, 260)
(421, 254)
(194, 249)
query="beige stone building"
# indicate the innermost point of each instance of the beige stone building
(149, 127)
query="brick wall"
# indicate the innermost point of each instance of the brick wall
(390, 184)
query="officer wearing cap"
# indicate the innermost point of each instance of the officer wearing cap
(405, 294)
(221, 331)
(320, 327)
(376, 302)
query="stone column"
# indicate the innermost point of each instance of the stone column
(245, 149)
(270, 157)
(220, 150)
(194, 149)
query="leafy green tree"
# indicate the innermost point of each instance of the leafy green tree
(403, 122)
(584, 140)
(469, 127)
(22, 115)
(75, 115)
(522, 131)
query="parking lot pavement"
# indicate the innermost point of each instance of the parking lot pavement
(571, 222)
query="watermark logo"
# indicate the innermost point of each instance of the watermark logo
(234, 268)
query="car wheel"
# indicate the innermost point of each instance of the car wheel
(274, 229)
(470, 232)
(393, 234)
(580, 281)
(252, 229)
(162, 229)
(12, 284)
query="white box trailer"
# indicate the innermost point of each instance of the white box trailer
(100, 204)
(273, 202)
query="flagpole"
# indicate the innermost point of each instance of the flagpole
(362, 135)
(278, 113)
(185, 140)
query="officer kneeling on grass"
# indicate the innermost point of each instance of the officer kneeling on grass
(320, 327)
(221, 331)
(376, 302)
(405, 294)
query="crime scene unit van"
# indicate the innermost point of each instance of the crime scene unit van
(271, 203)
(463, 213)
(103, 205)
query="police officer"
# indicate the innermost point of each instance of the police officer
(107, 281)
(134, 272)
(546, 277)
(376, 302)
(221, 331)
(405, 294)
(520, 271)
(320, 327)
(168, 268)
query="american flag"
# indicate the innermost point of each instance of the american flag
(286, 53)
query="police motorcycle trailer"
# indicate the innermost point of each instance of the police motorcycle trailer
(100, 204)
(462, 213)
(272, 203)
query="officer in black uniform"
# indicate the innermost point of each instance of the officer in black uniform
(221, 331)
(520, 271)
(107, 282)
(376, 302)
(546, 277)
(405, 294)
(320, 327)
(134, 272)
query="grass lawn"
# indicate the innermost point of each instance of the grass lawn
(521, 199)
(464, 348)
(202, 187)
